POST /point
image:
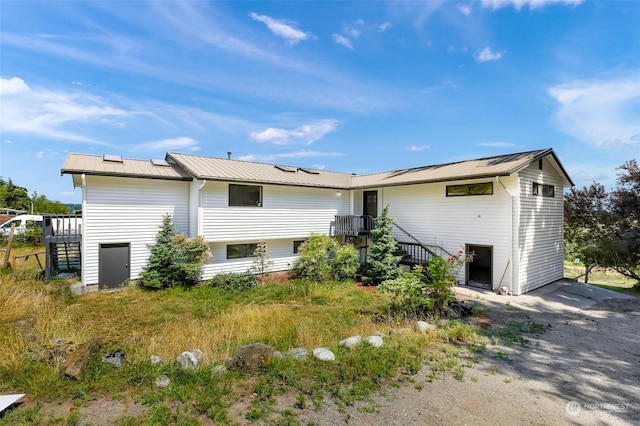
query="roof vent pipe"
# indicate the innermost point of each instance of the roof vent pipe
(228, 155)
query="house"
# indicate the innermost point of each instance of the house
(506, 210)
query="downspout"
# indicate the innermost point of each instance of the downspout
(83, 254)
(199, 207)
(514, 282)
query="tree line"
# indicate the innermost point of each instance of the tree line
(602, 228)
(16, 197)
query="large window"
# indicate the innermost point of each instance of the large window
(484, 188)
(238, 251)
(245, 195)
(544, 190)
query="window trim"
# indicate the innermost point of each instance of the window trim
(543, 190)
(450, 193)
(245, 252)
(238, 204)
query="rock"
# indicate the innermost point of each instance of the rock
(278, 354)
(350, 342)
(219, 370)
(324, 354)
(162, 381)
(298, 353)
(469, 320)
(187, 361)
(453, 314)
(78, 362)
(251, 357)
(423, 326)
(58, 352)
(115, 358)
(155, 359)
(375, 341)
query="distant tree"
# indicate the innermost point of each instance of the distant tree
(603, 229)
(261, 262)
(382, 261)
(13, 196)
(43, 205)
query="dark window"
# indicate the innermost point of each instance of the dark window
(245, 195)
(544, 190)
(238, 251)
(296, 245)
(540, 164)
(484, 188)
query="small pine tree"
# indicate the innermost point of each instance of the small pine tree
(174, 259)
(382, 263)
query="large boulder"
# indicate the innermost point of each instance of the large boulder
(251, 357)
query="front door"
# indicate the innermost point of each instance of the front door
(370, 208)
(480, 269)
(113, 265)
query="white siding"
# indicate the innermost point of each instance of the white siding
(280, 252)
(541, 232)
(287, 213)
(126, 210)
(429, 215)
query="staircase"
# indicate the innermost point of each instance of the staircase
(66, 256)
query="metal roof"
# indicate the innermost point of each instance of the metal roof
(211, 168)
(99, 165)
(187, 167)
(502, 165)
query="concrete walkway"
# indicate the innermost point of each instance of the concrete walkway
(560, 296)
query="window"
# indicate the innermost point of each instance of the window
(238, 251)
(245, 195)
(544, 190)
(296, 245)
(484, 188)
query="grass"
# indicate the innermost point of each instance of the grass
(166, 323)
(602, 277)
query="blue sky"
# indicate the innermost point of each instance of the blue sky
(359, 87)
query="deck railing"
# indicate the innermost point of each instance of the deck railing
(354, 225)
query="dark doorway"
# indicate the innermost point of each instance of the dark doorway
(370, 208)
(480, 269)
(114, 265)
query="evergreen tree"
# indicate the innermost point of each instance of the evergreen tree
(159, 270)
(382, 262)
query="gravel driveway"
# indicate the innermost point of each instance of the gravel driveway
(584, 370)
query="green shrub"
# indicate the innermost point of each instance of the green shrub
(234, 282)
(175, 260)
(323, 259)
(425, 292)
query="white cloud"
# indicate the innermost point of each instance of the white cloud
(302, 153)
(353, 30)
(497, 144)
(305, 134)
(465, 9)
(342, 40)
(384, 26)
(532, 4)
(416, 148)
(486, 55)
(48, 113)
(600, 112)
(183, 143)
(282, 28)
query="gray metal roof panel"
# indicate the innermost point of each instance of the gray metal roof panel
(96, 165)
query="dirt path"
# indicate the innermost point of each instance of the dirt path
(584, 370)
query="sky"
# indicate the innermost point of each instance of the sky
(350, 86)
